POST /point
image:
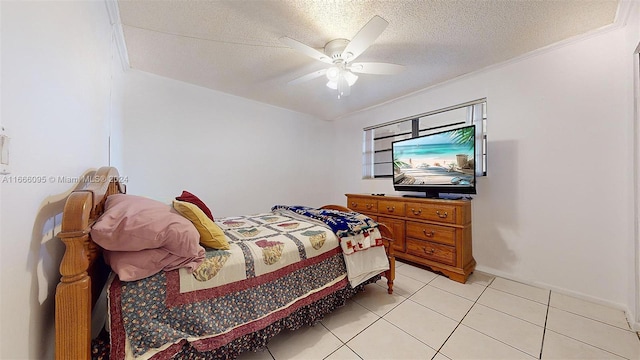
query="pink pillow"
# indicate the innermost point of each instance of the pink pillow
(131, 226)
(136, 265)
(190, 198)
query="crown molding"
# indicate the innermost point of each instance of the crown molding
(116, 32)
(623, 13)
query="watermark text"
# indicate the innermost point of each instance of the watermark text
(50, 179)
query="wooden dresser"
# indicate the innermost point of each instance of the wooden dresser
(432, 232)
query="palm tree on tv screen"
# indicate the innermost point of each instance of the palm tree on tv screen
(464, 136)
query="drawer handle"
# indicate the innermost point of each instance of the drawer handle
(391, 208)
(428, 234)
(369, 206)
(354, 204)
(429, 252)
(416, 212)
(442, 216)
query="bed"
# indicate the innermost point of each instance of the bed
(294, 271)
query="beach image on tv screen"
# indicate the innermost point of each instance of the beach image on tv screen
(445, 158)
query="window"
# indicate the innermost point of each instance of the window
(377, 162)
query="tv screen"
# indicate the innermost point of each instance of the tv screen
(442, 162)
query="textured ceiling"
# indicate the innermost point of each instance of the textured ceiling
(233, 46)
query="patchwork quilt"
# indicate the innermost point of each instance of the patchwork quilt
(356, 233)
(277, 263)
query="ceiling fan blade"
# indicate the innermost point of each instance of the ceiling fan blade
(376, 68)
(310, 76)
(305, 49)
(364, 38)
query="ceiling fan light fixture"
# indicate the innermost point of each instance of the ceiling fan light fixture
(333, 73)
(350, 77)
(344, 89)
(343, 83)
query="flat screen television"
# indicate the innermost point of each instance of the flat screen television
(441, 162)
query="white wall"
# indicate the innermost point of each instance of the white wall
(633, 41)
(58, 90)
(556, 208)
(239, 156)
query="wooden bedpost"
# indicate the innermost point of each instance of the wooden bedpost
(387, 238)
(75, 294)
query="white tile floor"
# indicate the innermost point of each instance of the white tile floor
(432, 317)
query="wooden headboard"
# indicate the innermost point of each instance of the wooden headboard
(83, 270)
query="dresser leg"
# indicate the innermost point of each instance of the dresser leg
(461, 278)
(457, 277)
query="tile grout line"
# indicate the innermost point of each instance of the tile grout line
(602, 322)
(368, 326)
(592, 319)
(571, 337)
(349, 347)
(498, 310)
(336, 336)
(436, 311)
(544, 329)
(520, 296)
(565, 310)
(460, 322)
(396, 326)
(589, 344)
(344, 343)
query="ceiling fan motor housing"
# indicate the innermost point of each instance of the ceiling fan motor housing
(334, 49)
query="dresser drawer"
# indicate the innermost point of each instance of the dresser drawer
(389, 207)
(429, 250)
(441, 234)
(433, 212)
(362, 204)
(397, 226)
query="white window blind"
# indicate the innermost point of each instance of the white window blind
(376, 159)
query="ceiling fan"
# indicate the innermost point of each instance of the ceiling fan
(341, 53)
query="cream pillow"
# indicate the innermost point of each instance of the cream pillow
(210, 234)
